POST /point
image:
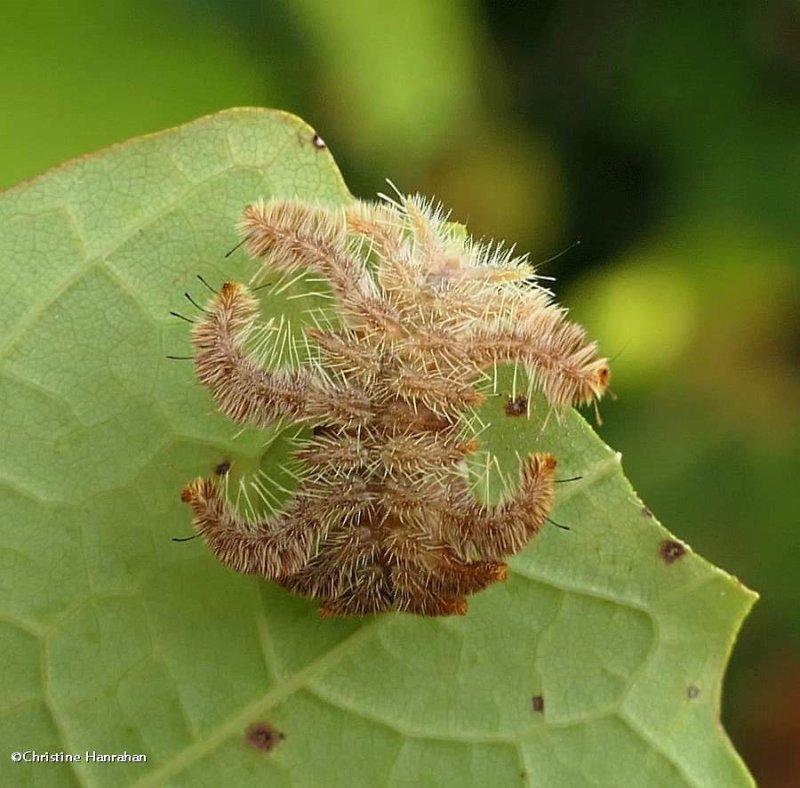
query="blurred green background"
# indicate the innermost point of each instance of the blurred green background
(663, 137)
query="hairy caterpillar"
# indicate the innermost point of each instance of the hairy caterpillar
(383, 517)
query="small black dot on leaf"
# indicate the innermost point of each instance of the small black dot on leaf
(670, 551)
(222, 468)
(537, 703)
(262, 736)
(693, 692)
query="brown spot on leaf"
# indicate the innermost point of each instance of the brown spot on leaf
(318, 142)
(223, 468)
(516, 406)
(262, 736)
(537, 703)
(670, 551)
(646, 512)
(693, 692)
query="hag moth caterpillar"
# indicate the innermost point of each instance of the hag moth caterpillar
(383, 517)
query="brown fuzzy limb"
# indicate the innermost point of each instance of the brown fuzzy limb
(562, 362)
(417, 453)
(414, 591)
(456, 578)
(349, 353)
(441, 393)
(329, 404)
(413, 417)
(295, 235)
(396, 274)
(504, 529)
(369, 593)
(377, 222)
(251, 394)
(242, 390)
(430, 604)
(271, 548)
(349, 556)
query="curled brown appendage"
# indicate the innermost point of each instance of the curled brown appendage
(493, 532)
(272, 548)
(297, 236)
(250, 394)
(562, 362)
(458, 577)
(242, 389)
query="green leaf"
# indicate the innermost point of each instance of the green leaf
(599, 662)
